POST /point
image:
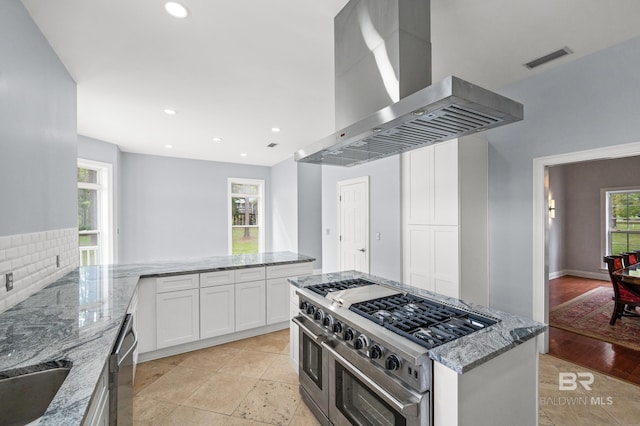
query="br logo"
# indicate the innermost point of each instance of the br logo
(569, 381)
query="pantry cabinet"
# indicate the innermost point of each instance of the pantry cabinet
(444, 223)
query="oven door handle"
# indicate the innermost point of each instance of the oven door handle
(300, 322)
(407, 408)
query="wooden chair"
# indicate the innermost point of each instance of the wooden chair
(629, 258)
(621, 296)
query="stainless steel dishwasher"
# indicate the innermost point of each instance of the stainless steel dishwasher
(121, 370)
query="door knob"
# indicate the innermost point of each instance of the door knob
(362, 250)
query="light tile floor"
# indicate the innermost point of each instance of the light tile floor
(250, 382)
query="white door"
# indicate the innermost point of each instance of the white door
(353, 224)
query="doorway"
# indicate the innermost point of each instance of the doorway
(353, 224)
(541, 216)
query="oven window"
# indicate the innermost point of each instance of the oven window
(360, 405)
(312, 360)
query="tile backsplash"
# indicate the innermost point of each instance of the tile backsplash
(32, 260)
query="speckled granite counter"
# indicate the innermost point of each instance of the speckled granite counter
(467, 352)
(77, 319)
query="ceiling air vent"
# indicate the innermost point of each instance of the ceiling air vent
(548, 58)
(272, 145)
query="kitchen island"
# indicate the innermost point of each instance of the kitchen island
(488, 377)
(77, 319)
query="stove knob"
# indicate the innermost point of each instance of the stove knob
(328, 322)
(362, 342)
(392, 363)
(304, 305)
(337, 327)
(311, 310)
(349, 334)
(319, 316)
(375, 352)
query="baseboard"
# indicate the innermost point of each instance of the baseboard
(213, 341)
(604, 276)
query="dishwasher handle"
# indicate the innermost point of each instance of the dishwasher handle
(126, 343)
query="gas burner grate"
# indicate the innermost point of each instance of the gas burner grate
(425, 322)
(326, 288)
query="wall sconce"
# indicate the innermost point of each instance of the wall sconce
(552, 209)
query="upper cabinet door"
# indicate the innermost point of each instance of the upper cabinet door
(417, 170)
(445, 184)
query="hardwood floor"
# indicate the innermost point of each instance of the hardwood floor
(607, 358)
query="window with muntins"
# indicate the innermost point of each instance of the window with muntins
(94, 213)
(246, 216)
(623, 220)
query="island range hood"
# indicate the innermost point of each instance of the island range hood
(383, 87)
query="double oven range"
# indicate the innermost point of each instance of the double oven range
(363, 351)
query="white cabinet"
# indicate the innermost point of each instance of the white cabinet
(217, 310)
(98, 411)
(146, 322)
(250, 305)
(277, 300)
(250, 274)
(444, 224)
(294, 337)
(177, 312)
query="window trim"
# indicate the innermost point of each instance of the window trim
(261, 209)
(104, 187)
(604, 203)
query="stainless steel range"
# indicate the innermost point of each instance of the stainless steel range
(364, 351)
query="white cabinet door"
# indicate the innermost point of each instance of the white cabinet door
(178, 318)
(445, 275)
(250, 305)
(445, 183)
(217, 310)
(146, 318)
(277, 300)
(293, 328)
(98, 411)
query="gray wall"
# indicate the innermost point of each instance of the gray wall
(38, 189)
(176, 209)
(589, 103)
(97, 150)
(557, 246)
(309, 186)
(384, 217)
(284, 206)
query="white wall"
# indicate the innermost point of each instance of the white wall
(177, 208)
(38, 190)
(384, 215)
(309, 183)
(284, 206)
(589, 103)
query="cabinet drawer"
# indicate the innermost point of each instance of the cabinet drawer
(211, 279)
(177, 282)
(249, 274)
(289, 270)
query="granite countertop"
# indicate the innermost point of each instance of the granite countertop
(465, 353)
(77, 319)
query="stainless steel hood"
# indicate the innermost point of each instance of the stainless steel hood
(438, 112)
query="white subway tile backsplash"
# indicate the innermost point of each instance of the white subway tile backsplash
(32, 259)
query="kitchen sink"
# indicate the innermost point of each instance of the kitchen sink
(25, 393)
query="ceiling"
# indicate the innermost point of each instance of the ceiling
(236, 69)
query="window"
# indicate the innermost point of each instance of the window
(246, 216)
(95, 237)
(623, 220)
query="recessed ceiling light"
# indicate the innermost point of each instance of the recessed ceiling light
(275, 129)
(243, 154)
(168, 146)
(176, 9)
(169, 111)
(217, 139)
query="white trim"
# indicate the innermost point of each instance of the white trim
(339, 184)
(540, 220)
(261, 211)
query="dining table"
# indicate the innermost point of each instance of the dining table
(630, 278)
